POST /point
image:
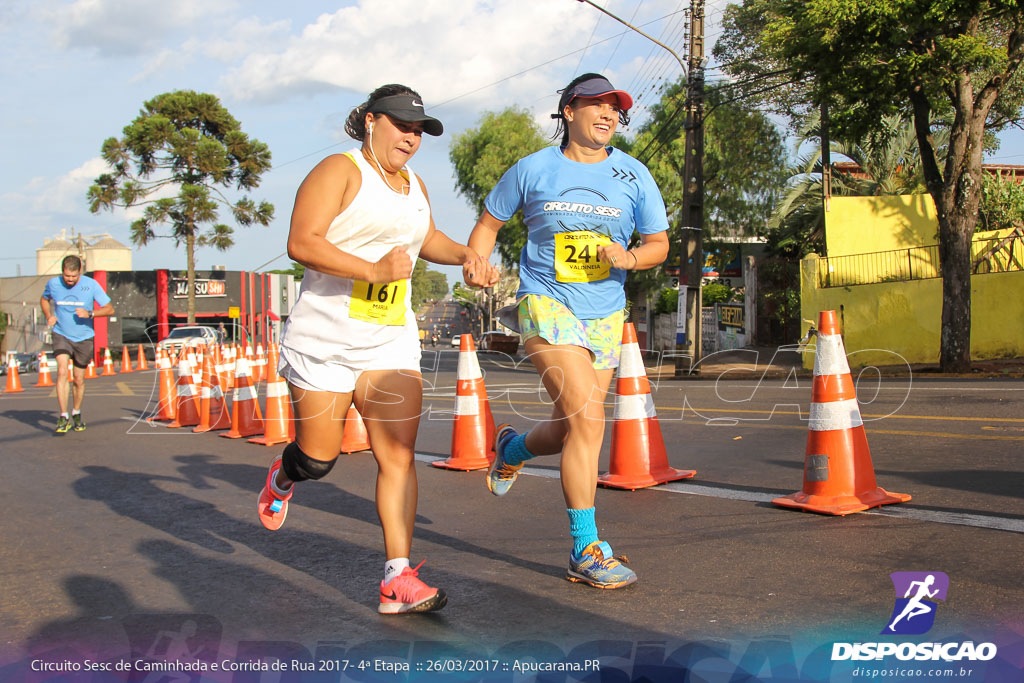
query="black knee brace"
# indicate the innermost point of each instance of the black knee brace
(298, 466)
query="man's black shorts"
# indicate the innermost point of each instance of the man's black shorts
(80, 352)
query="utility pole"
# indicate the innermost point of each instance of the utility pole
(691, 248)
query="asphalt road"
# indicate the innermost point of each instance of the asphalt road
(129, 541)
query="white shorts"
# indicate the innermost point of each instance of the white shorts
(312, 374)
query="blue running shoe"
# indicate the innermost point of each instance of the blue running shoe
(501, 476)
(597, 567)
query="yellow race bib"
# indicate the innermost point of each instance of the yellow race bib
(576, 256)
(380, 303)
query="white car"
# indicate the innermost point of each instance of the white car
(456, 340)
(189, 335)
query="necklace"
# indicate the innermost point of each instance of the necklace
(403, 185)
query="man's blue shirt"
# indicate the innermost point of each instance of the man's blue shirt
(66, 299)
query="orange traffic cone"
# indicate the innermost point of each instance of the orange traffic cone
(167, 398)
(354, 437)
(213, 409)
(259, 365)
(90, 370)
(227, 368)
(13, 380)
(142, 359)
(839, 477)
(45, 378)
(246, 418)
(126, 361)
(277, 427)
(473, 430)
(108, 363)
(186, 410)
(638, 457)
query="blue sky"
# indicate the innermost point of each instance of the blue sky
(77, 71)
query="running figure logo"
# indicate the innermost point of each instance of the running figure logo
(914, 611)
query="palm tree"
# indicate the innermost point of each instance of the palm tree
(890, 164)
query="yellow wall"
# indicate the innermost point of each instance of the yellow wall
(858, 225)
(893, 322)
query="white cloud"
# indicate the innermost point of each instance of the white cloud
(245, 35)
(66, 194)
(442, 48)
(125, 27)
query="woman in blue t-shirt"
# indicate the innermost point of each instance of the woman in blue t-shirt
(582, 202)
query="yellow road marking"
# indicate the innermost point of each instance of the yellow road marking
(495, 403)
(698, 411)
(125, 389)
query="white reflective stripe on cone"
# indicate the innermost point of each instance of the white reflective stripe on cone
(245, 394)
(469, 367)
(276, 389)
(830, 356)
(185, 390)
(635, 407)
(631, 363)
(467, 405)
(826, 417)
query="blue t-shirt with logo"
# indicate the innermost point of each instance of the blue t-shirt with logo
(570, 209)
(66, 299)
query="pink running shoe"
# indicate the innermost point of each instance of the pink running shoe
(405, 594)
(271, 508)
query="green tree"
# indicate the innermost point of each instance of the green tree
(482, 154)
(744, 160)
(186, 143)
(297, 270)
(427, 284)
(1002, 203)
(870, 58)
(889, 156)
(744, 168)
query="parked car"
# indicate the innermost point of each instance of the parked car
(24, 361)
(499, 341)
(189, 335)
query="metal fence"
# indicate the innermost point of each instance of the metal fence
(990, 255)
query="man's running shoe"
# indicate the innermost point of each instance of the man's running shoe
(271, 508)
(597, 567)
(77, 424)
(501, 475)
(63, 425)
(406, 594)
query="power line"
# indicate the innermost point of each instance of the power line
(665, 132)
(621, 37)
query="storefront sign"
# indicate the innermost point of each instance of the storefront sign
(179, 288)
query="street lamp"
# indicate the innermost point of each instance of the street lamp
(634, 28)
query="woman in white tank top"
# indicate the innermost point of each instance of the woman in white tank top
(360, 221)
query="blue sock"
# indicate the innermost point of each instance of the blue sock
(582, 528)
(515, 450)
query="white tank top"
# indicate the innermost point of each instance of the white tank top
(346, 320)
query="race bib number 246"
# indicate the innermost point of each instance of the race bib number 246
(576, 256)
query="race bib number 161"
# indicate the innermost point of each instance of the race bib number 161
(380, 303)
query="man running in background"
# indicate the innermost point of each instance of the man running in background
(67, 303)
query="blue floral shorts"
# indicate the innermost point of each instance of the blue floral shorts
(552, 321)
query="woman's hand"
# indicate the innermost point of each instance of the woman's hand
(395, 265)
(616, 255)
(478, 272)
